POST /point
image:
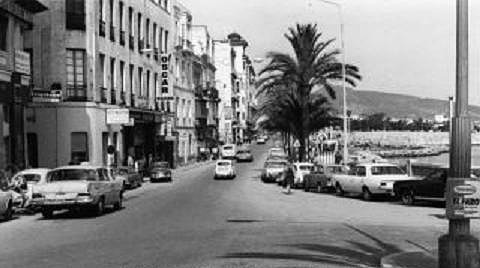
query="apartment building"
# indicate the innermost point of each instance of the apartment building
(102, 79)
(206, 95)
(16, 17)
(184, 89)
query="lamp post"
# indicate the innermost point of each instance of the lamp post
(344, 52)
(458, 248)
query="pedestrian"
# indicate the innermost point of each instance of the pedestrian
(288, 179)
(338, 157)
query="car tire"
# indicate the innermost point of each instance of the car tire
(100, 207)
(47, 213)
(7, 215)
(408, 198)
(119, 204)
(366, 194)
(338, 190)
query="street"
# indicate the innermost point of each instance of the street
(200, 222)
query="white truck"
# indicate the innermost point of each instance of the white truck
(369, 179)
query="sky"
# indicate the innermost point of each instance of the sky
(400, 46)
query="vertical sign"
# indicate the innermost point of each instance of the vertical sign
(164, 73)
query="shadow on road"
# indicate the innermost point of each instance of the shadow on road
(354, 254)
(70, 214)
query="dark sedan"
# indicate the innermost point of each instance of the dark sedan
(160, 171)
(244, 155)
(132, 179)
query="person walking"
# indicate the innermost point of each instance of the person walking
(288, 179)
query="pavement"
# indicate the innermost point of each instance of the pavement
(242, 223)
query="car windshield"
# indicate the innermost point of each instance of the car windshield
(228, 148)
(31, 177)
(306, 167)
(72, 175)
(243, 152)
(276, 165)
(335, 169)
(387, 170)
(160, 165)
(223, 164)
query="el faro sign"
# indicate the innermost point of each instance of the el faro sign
(463, 198)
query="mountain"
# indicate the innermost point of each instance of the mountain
(395, 105)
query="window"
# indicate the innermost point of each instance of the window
(140, 81)
(75, 68)
(100, 10)
(79, 146)
(3, 32)
(361, 171)
(154, 35)
(387, 170)
(160, 39)
(75, 17)
(122, 76)
(165, 46)
(102, 174)
(130, 21)
(120, 10)
(139, 26)
(130, 73)
(111, 12)
(147, 32)
(148, 84)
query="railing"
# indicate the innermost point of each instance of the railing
(113, 96)
(131, 41)
(122, 37)
(103, 95)
(76, 93)
(101, 28)
(112, 33)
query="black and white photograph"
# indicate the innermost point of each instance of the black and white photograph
(239, 133)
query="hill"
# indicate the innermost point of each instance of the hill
(395, 105)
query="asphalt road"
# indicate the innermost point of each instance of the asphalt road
(199, 222)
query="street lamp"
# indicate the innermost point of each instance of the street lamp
(344, 52)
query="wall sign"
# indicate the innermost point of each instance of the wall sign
(117, 116)
(22, 62)
(463, 198)
(164, 73)
(39, 95)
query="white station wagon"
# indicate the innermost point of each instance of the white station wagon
(78, 187)
(369, 179)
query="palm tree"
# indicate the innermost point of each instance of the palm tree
(312, 66)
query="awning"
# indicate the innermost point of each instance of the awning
(33, 6)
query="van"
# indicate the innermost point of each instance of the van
(229, 151)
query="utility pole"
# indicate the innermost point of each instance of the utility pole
(458, 248)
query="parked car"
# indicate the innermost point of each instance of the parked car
(78, 188)
(244, 155)
(6, 204)
(369, 179)
(273, 170)
(229, 151)
(428, 183)
(160, 171)
(131, 178)
(321, 179)
(260, 140)
(299, 171)
(30, 178)
(275, 151)
(224, 169)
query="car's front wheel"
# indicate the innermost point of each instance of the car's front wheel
(47, 213)
(366, 194)
(408, 198)
(338, 190)
(119, 204)
(100, 207)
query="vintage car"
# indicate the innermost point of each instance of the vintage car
(244, 155)
(229, 151)
(224, 169)
(427, 183)
(131, 178)
(29, 178)
(160, 171)
(369, 179)
(77, 188)
(273, 170)
(6, 204)
(321, 178)
(299, 172)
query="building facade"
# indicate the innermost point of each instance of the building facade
(103, 83)
(206, 95)
(184, 89)
(16, 17)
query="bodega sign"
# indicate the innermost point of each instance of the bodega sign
(463, 198)
(164, 74)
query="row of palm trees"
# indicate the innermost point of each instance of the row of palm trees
(296, 90)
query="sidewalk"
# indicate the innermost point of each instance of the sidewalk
(419, 259)
(193, 165)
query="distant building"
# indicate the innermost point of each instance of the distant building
(16, 17)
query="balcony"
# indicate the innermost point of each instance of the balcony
(131, 42)
(112, 33)
(76, 93)
(122, 38)
(101, 28)
(113, 96)
(141, 44)
(103, 95)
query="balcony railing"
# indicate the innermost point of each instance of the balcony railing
(122, 37)
(76, 93)
(101, 28)
(112, 33)
(113, 96)
(131, 41)
(103, 95)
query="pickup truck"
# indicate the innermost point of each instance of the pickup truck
(369, 179)
(428, 183)
(321, 179)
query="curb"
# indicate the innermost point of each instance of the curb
(415, 259)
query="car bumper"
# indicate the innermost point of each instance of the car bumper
(223, 175)
(387, 191)
(56, 204)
